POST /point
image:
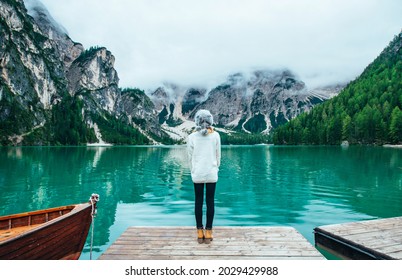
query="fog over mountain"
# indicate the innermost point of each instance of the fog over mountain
(57, 90)
(198, 43)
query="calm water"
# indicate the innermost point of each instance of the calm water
(303, 187)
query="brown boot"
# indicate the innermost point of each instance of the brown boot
(200, 235)
(208, 236)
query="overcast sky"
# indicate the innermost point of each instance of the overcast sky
(200, 42)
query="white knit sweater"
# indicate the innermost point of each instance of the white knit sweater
(205, 156)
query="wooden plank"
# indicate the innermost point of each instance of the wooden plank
(364, 226)
(10, 233)
(397, 255)
(218, 253)
(67, 208)
(365, 230)
(391, 249)
(374, 239)
(229, 243)
(166, 257)
(215, 247)
(176, 244)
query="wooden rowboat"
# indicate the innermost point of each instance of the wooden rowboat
(50, 234)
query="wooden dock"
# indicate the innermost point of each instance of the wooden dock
(230, 243)
(373, 239)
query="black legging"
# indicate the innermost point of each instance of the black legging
(199, 201)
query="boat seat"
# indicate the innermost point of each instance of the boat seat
(8, 233)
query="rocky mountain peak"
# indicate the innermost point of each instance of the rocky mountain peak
(92, 75)
(93, 70)
(53, 91)
(67, 49)
(254, 102)
(31, 70)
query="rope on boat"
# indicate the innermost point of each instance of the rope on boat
(93, 199)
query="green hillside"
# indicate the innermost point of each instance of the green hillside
(367, 111)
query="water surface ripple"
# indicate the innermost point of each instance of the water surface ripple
(303, 187)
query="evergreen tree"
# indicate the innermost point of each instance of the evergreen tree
(367, 111)
(395, 129)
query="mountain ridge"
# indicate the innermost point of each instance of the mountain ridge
(244, 102)
(53, 91)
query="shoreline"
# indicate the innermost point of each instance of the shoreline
(392, 146)
(397, 146)
(99, 145)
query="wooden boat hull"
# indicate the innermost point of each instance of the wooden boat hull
(53, 234)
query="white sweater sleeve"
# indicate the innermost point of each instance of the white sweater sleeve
(218, 149)
(190, 149)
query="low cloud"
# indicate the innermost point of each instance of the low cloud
(201, 42)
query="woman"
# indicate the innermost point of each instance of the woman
(204, 150)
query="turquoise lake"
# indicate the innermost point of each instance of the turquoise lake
(302, 187)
